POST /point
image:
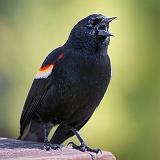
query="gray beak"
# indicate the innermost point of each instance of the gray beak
(111, 19)
(104, 33)
(108, 20)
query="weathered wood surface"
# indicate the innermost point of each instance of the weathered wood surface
(11, 149)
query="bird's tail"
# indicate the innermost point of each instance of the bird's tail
(18, 138)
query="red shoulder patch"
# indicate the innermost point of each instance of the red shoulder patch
(45, 71)
(44, 68)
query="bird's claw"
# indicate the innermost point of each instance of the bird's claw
(95, 150)
(80, 148)
(84, 148)
(47, 146)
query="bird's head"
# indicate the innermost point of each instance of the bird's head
(92, 31)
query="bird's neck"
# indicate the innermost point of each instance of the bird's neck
(84, 46)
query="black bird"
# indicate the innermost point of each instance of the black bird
(69, 85)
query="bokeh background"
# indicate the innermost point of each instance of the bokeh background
(127, 122)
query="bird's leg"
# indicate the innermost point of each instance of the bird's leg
(83, 147)
(47, 144)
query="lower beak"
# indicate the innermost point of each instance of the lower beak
(104, 33)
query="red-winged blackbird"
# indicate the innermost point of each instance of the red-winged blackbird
(69, 85)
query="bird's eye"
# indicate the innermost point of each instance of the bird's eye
(97, 21)
(94, 21)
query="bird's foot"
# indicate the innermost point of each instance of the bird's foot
(47, 146)
(83, 147)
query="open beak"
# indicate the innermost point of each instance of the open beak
(102, 31)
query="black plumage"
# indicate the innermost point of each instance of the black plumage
(71, 84)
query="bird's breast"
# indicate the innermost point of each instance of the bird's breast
(84, 76)
(79, 85)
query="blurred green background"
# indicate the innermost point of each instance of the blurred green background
(127, 122)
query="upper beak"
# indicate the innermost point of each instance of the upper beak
(102, 32)
(111, 19)
(108, 20)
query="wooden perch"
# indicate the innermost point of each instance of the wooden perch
(15, 149)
